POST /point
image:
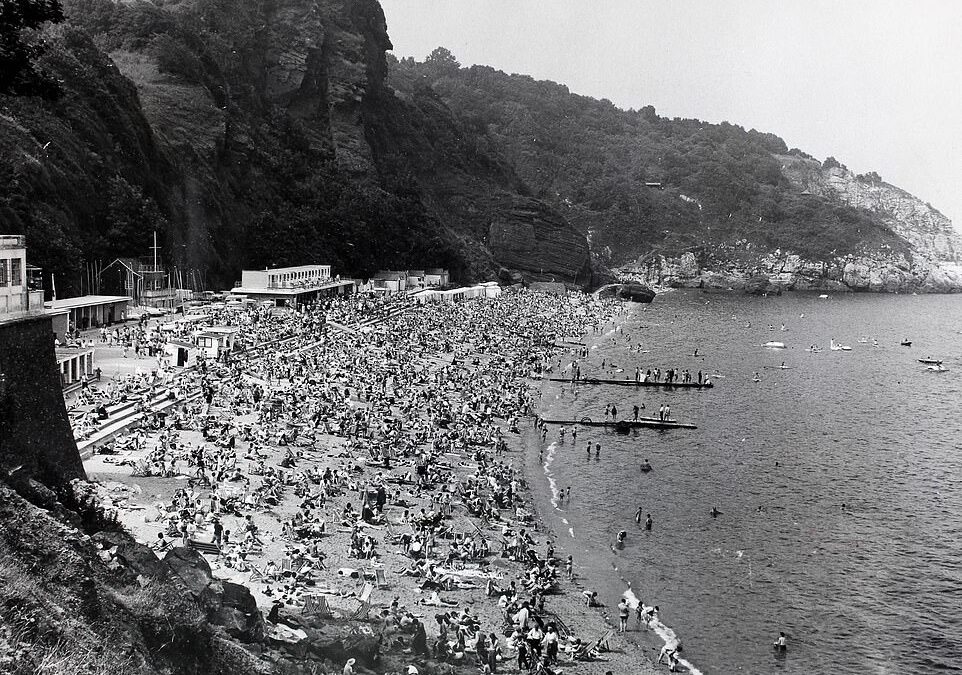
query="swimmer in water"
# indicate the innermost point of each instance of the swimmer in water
(646, 466)
(597, 450)
(714, 512)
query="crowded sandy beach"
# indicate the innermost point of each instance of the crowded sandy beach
(363, 466)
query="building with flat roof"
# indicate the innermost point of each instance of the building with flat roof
(291, 286)
(75, 364)
(92, 311)
(436, 276)
(20, 291)
(390, 281)
(215, 340)
(182, 352)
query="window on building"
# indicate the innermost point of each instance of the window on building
(3, 273)
(16, 272)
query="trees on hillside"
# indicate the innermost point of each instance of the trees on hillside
(19, 47)
(635, 180)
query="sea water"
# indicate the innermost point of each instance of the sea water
(838, 481)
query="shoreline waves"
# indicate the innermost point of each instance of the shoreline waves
(635, 645)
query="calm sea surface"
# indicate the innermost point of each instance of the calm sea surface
(839, 482)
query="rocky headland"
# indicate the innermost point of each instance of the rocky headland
(928, 262)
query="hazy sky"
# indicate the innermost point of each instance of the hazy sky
(875, 83)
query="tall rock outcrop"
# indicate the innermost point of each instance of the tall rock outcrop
(930, 233)
(251, 134)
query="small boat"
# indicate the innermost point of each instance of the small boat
(839, 347)
(823, 296)
(906, 343)
(814, 349)
(778, 367)
(772, 344)
(938, 368)
(931, 362)
(863, 340)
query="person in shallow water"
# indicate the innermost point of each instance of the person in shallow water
(638, 516)
(781, 642)
(648, 522)
(645, 466)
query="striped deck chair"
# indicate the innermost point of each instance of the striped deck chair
(257, 574)
(316, 605)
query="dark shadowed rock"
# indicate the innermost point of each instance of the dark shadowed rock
(238, 613)
(191, 567)
(760, 284)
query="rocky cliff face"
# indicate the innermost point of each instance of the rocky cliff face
(930, 233)
(885, 273)
(259, 133)
(929, 263)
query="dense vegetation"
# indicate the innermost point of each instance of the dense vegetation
(199, 152)
(263, 133)
(635, 181)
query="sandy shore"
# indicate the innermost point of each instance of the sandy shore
(143, 506)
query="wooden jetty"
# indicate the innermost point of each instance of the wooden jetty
(633, 383)
(625, 425)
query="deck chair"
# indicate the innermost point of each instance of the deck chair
(365, 595)
(360, 614)
(257, 574)
(380, 580)
(601, 644)
(316, 605)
